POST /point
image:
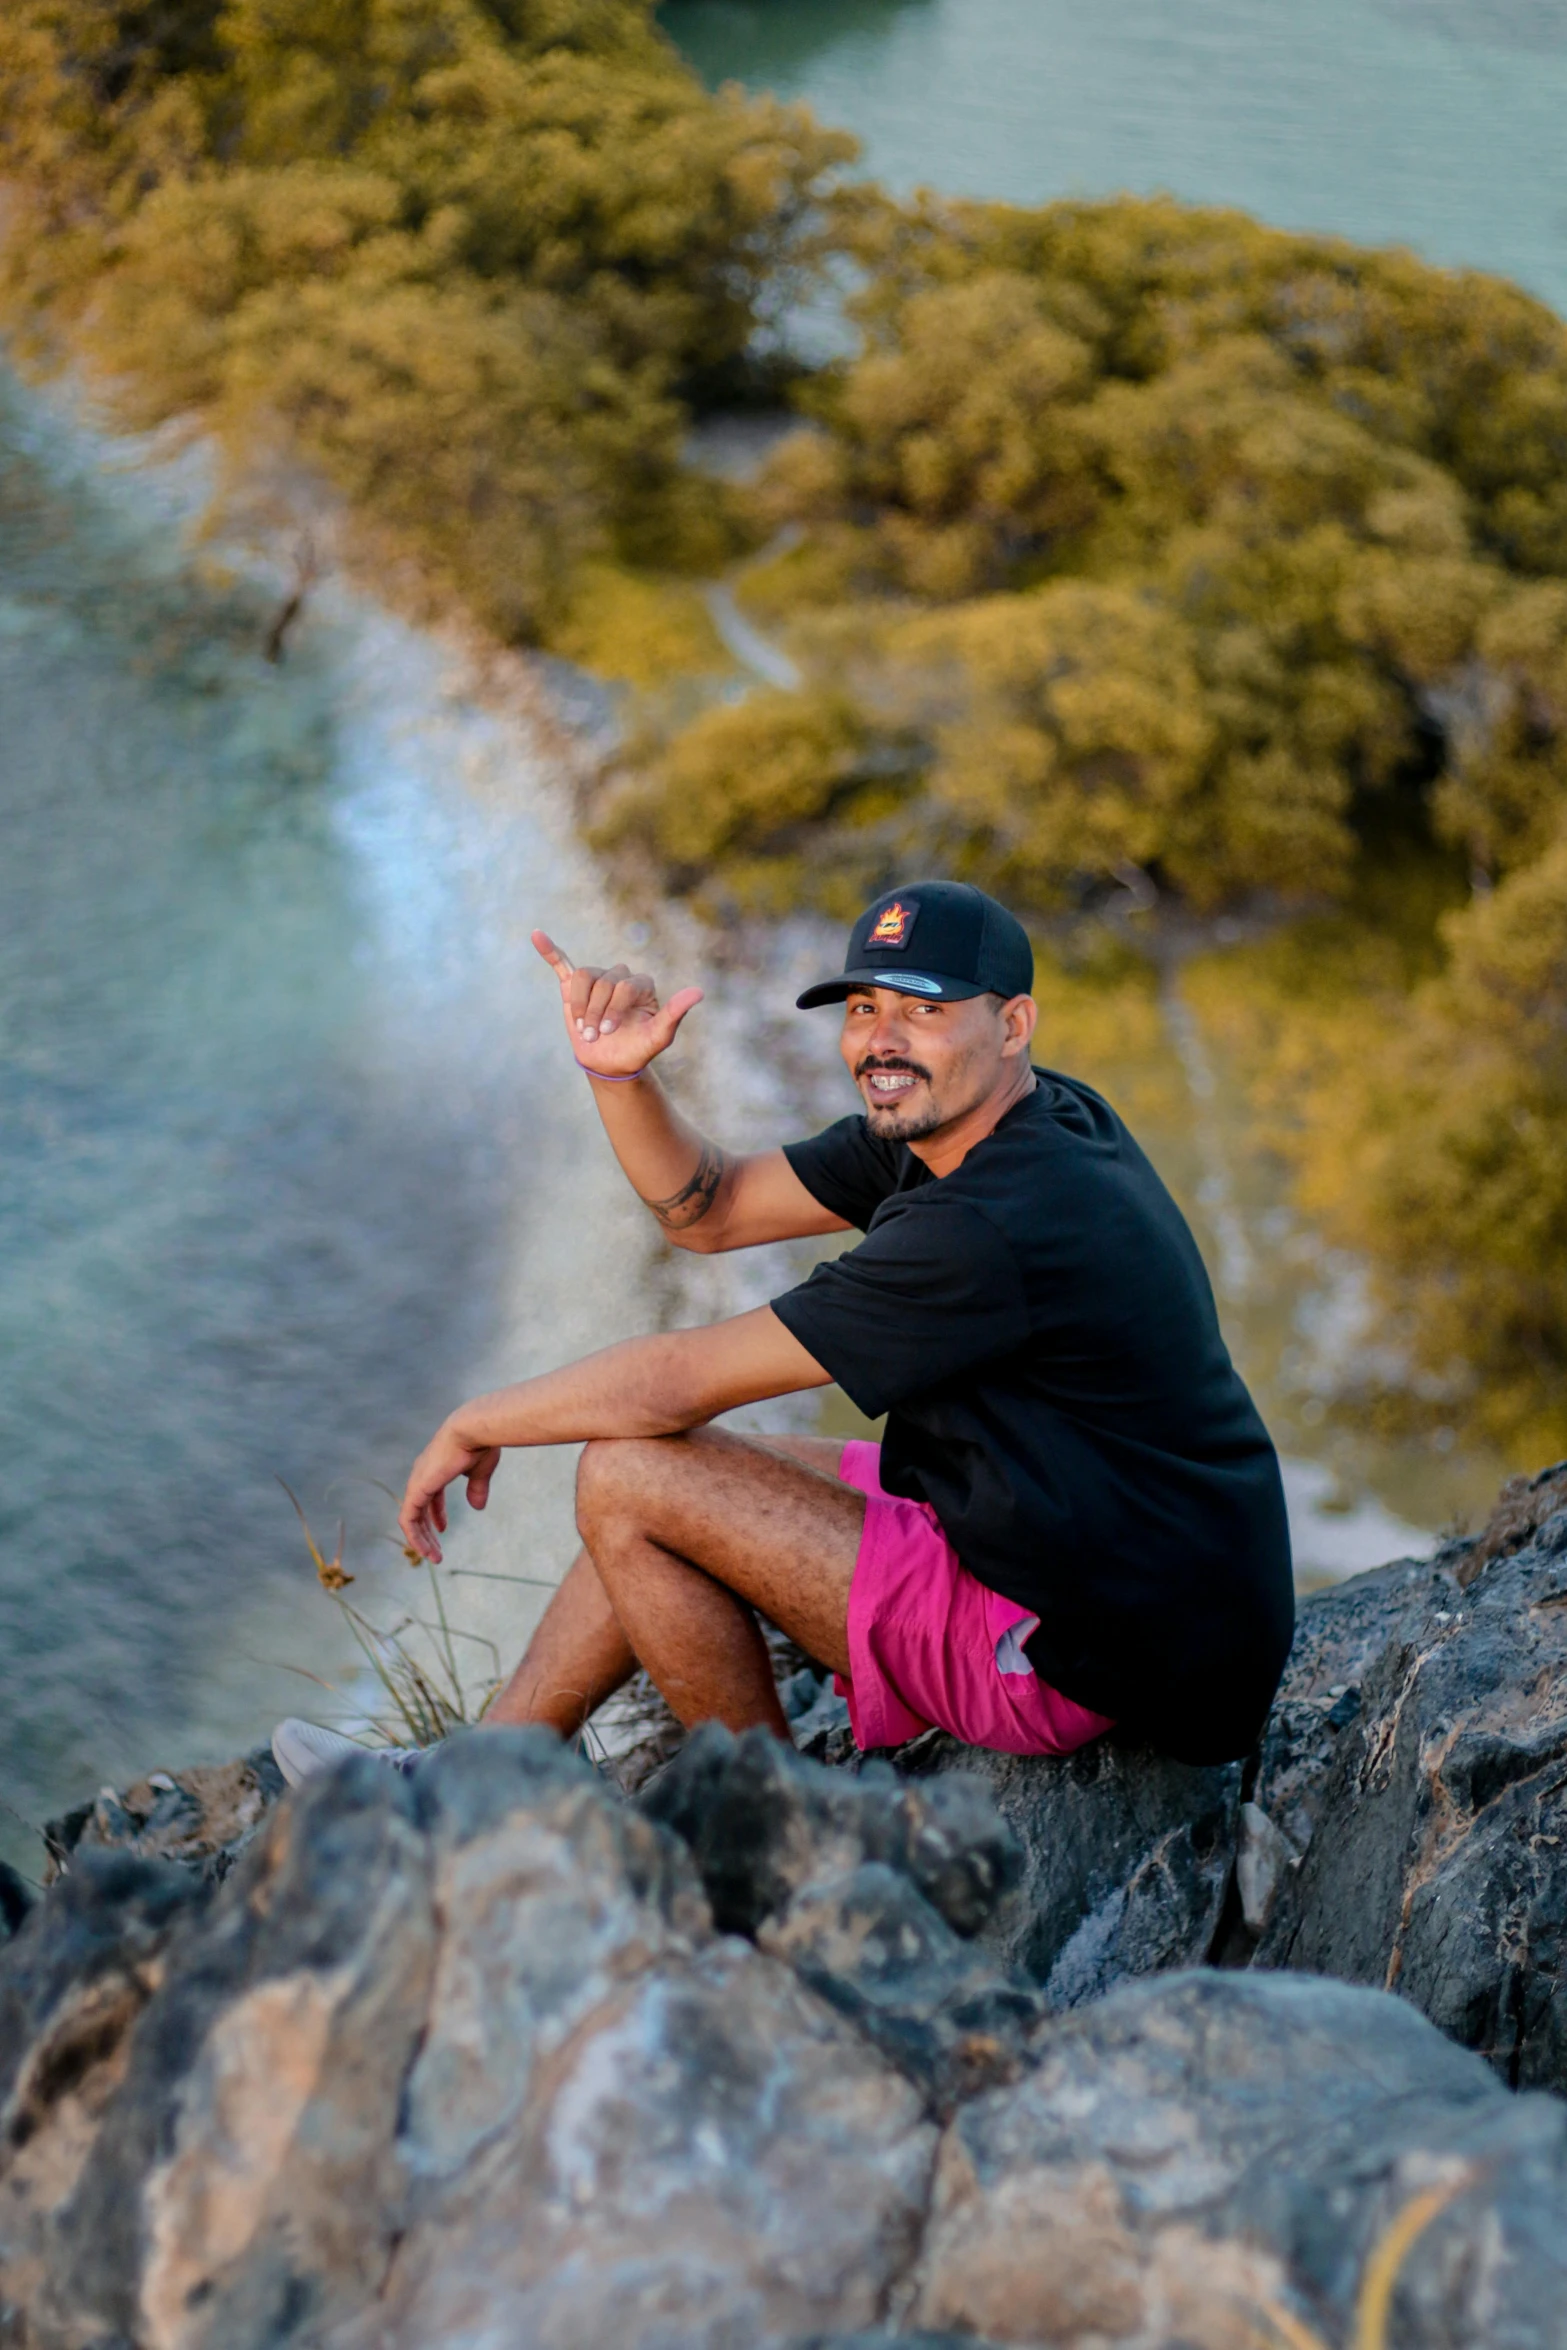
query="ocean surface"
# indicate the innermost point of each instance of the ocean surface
(289, 1158)
(1436, 124)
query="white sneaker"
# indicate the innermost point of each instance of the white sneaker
(301, 1749)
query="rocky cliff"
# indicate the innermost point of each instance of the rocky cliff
(959, 2048)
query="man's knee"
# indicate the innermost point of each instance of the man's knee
(611, 1473)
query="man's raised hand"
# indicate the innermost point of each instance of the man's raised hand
(614, 1022)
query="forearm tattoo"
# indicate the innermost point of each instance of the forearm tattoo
(693, 1200)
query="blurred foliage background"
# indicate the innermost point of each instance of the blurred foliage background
(1152, 567)
(473, 261)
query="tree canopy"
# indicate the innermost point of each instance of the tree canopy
(473, 258)
(1143, 535)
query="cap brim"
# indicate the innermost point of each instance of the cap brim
(930, 985)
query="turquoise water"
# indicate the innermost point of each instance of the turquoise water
(1438, 124)
(275, 1187)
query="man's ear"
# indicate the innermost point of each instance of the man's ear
(1019, 1019)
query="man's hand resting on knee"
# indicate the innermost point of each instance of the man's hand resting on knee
(642, 1387)
(446, 1457)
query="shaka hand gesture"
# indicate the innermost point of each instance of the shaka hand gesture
(615, 1024)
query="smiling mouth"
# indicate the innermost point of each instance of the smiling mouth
(888, 1084)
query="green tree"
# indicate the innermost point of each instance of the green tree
(1437, 1143)
(1068, 729)
(1281, 451)
(737, 804)
(474, 261)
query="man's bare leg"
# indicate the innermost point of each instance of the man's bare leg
(690, 1533)
(685, 1534)
(577, 1657)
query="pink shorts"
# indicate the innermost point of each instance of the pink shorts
(931, 1647)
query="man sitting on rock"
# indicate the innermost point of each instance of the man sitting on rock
(1074, 1516)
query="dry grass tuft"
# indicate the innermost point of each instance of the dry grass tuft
(1379, 2279)
(426, 1694)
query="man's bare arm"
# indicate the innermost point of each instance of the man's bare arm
(642, 1387)
(697, 1197)
(706, 1199)
(716, 1199)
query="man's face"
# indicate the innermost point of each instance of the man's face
(920, 1065)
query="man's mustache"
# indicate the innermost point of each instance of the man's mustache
(890, 1061)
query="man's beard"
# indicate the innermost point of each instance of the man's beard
(910, 1125)
(907, 1119)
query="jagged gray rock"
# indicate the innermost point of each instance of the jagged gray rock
(871, 1888)
(457, 2060)
(762, 1822)
(72, 1985)
(715, 2158)
(1192, 2154)
(203, 1816)
(1126, 1858)
(247, 2177)
(1433, 1835)
(919, 2340)
(948, 2017)
(463, 2060)
(16, 1899)
(1340, 1638)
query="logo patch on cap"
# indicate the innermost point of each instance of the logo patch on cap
(892, 925)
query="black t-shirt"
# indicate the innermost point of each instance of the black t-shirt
(1040, 1330)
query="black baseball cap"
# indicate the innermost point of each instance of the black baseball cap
(935, 938)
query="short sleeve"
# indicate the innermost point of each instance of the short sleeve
(846, 1170)
(934, 1291)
